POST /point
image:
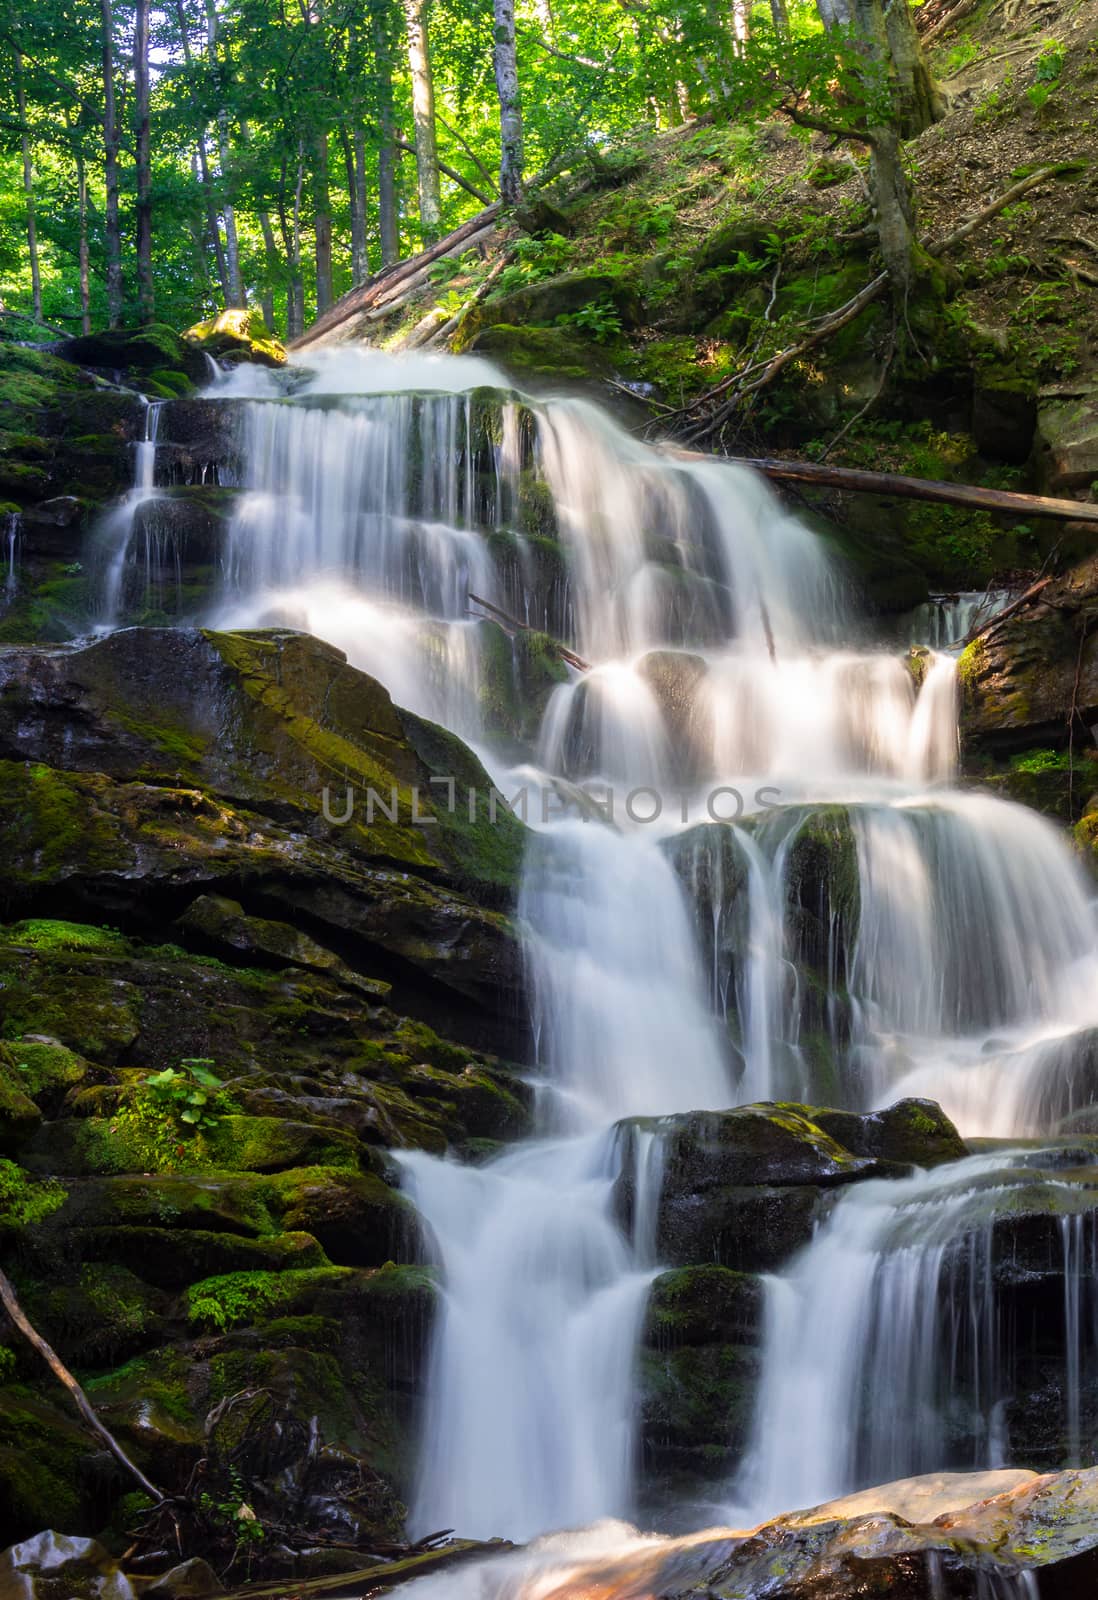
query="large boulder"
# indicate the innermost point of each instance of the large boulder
(237, 335)
(1030, 679)
(962, 1536)
(1067, 438)
(178, 762)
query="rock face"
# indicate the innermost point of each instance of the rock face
(966, 1537)
(1031, 677)
(318, 972)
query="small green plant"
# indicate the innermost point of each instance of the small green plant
(961, 56)
(600, 319)
(1050, 63)
(229, 1512)
(25, 1200)
(188, 1093)
(536, 258)
(444, 270)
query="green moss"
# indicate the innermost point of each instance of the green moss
(247, 1297)
(240, 334)
(47, 935)
(972, 663)
(40, 1068)
(24, 1200)
(48, 819)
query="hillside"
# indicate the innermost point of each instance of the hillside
(672, 263)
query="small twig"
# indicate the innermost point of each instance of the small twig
(563, 650)
(1007, 612)
(871, 402)
(1072, 716)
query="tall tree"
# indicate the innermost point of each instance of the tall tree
(236, 296)
(423, 116)
(901, 101)
(834, 13)
(322, 223)
(213, 224)
(28, 185)
(505, 58)
(112, 220)
(145, 290)
(388, 227)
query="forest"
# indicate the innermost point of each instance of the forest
(162, 162)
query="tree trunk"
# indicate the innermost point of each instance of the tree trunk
(505, 58)
(918, 96)
(110, 167)
(386, 152)
(895, 210)
(28, 187)
(779, 10)
(354, 160)
(423, 115)
(322, 224)
(741, 22)
(879, 26)
(834, 13)
(145, 290)
(270, 248)
(85, 280)
(236, 295)
(213, 226)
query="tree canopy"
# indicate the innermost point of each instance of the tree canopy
(163, 160)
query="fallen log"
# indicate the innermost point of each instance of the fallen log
(513, 625)
(83, 1404)
(817, 475)
(368, 294)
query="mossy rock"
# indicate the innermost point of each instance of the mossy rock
(696, 1406)
(916, 1133)
(224, 924)
(544, 355)
(236, 753)
(763, 1144)
(44, 1474)
(151, 349)
(359, 1220)
(701, 1305)
(236, 336)
(43, 1069)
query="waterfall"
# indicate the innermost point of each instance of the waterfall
(886, 1341)
(11, 523)
(116, 534)
(811, 912)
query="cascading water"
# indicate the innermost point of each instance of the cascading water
(116, 535)
(952, 944)
(885, 1341)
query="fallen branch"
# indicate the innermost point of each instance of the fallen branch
(451, 326)
(934, 33)
(952, 239)
(845, 314)
(512, 624)
(1003, 501)
(1024, 599)
(80, 1399)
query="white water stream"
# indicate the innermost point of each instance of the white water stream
(964, 967)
